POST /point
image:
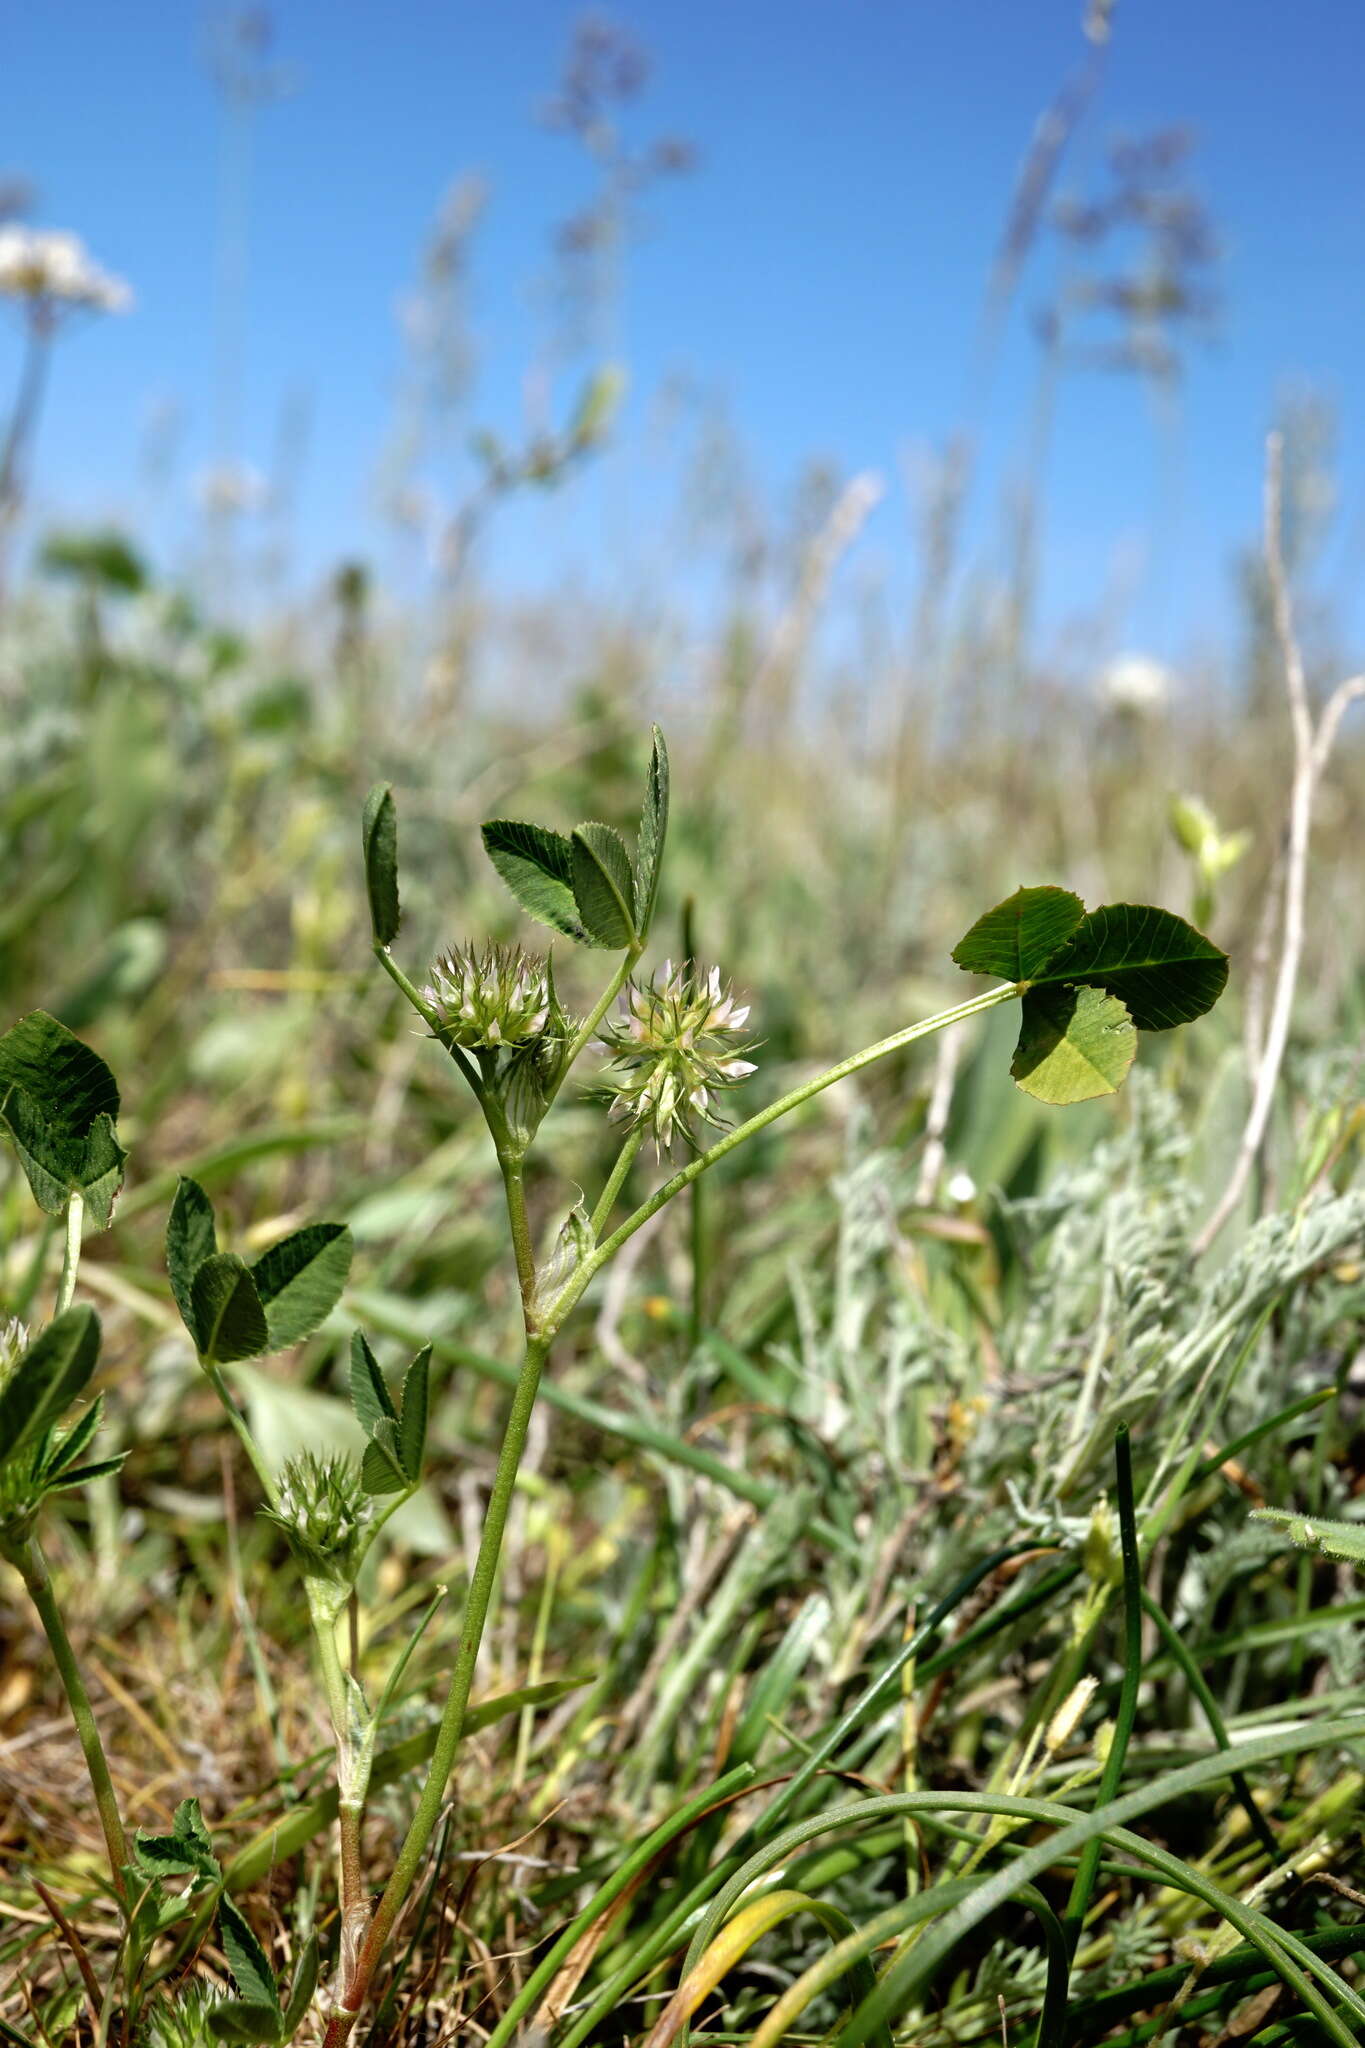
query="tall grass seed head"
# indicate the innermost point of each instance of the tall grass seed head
(676, 1042)
(325, 1513)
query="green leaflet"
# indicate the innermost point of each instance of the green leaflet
(300, 1280)
(379, 839)
(392, 1462)
(1017, 939)
(653, 831)
(1163, 970)
(603, 886)
(1074, 1044)
(59, 1102)
(537, 866)
(227, 1321)
(190, 1239)
(47, 1379)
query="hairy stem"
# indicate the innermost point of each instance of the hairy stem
(625, 1160)
(33, 1566)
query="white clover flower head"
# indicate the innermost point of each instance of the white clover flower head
(1137, 684)
(676, 1041)
(489, 998)
(54, 269)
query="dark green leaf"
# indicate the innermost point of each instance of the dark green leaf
(381, 1468)
(1018, 938)
(1074, 1043)
(57, 1163)
(248, 2024)
(379, 834)
(653, 830)
(537, 867)
(301, 1990)
(67, 1083)
(370, 1395)
(80, 1475)
(299, 1280)
(603, 887)
(1163, 970)
(251, 1972)
(190, 1239)
(185, 1852)
(48, 1377)
(227, 1321)
(101, 1175)
(412, 1430)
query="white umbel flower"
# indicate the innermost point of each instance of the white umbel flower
(54, 269)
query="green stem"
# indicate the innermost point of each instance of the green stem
(742, 1133)
(1112, 1777)
(71, 1254)
(33, 1567)
(511, 1167)
(214, 1375)
(597, 1013)
(429, 1017)
(448, 1735)
(625, 1160)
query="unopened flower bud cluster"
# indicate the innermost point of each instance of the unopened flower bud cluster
(325, 1512)
(675, 1043)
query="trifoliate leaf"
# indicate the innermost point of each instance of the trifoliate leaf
(186, 1851)
(653, 831)
(300, 1279)
(1074, 1043)
(1163, 970)
(47, 1379)
(379, 837)
(1018, 938)
(59, 1100)
(227, 1320)
(190, 1239)
(603, 886)
(537, 866)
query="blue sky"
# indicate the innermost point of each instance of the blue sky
(819, 275)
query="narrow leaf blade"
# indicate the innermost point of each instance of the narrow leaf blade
(653, 831)
(379, 838)
(300, 1279)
